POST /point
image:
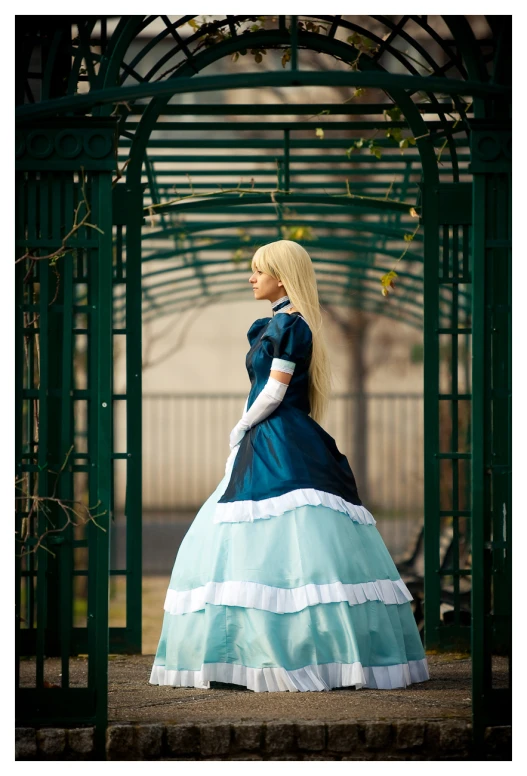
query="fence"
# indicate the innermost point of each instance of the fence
(185, 446)
(186, 443)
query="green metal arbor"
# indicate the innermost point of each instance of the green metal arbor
(111, 231)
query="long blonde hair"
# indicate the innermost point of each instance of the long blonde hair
(290, 263)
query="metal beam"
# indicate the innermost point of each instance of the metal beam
(370, 79)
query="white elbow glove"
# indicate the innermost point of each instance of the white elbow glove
(265, 403)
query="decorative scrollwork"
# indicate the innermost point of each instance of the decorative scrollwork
(89, 141)
(491, 150)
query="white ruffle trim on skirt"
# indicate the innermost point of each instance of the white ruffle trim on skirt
(306, 679)
(284, 600)
(247, 511)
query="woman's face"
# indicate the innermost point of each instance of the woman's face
(266, 286)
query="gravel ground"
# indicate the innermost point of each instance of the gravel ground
(133, 699)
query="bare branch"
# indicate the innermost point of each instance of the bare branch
(64, 249)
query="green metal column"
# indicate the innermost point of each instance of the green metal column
(127, 221)
(134, 414)
(432, 590)
(448, 215)
(102, 416)
(491, 418)
(64, 308)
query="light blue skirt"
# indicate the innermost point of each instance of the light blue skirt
(306, 600)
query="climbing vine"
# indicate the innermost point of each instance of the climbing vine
(388, 279)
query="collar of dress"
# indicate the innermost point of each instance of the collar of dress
(284, 303)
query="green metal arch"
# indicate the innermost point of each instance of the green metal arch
(367, 285)
(346, 265)
(464, 37)
(183, 288)
(367, 304)
(379, 228)
(354, 201)
(329, 243)
(113, 65)
(113, 69)
(146, 125)
(166, 89)
(153, 110)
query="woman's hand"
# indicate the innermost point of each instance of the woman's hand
(265, 403)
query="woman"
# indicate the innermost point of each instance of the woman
(282, 581)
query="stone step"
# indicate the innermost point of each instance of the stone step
(441, 739)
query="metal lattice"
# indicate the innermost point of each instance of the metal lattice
(170, 243)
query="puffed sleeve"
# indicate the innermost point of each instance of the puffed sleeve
(288, 342)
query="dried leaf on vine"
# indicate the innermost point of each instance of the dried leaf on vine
(387, 281)
(300, 233)
(357, 144)
(375, 149)
(393, 113)
(286, 57)
(362, 43)
(395, 133)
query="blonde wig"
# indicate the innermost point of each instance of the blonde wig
(290, 263)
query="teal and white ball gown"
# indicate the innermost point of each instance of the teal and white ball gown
(282, 581)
